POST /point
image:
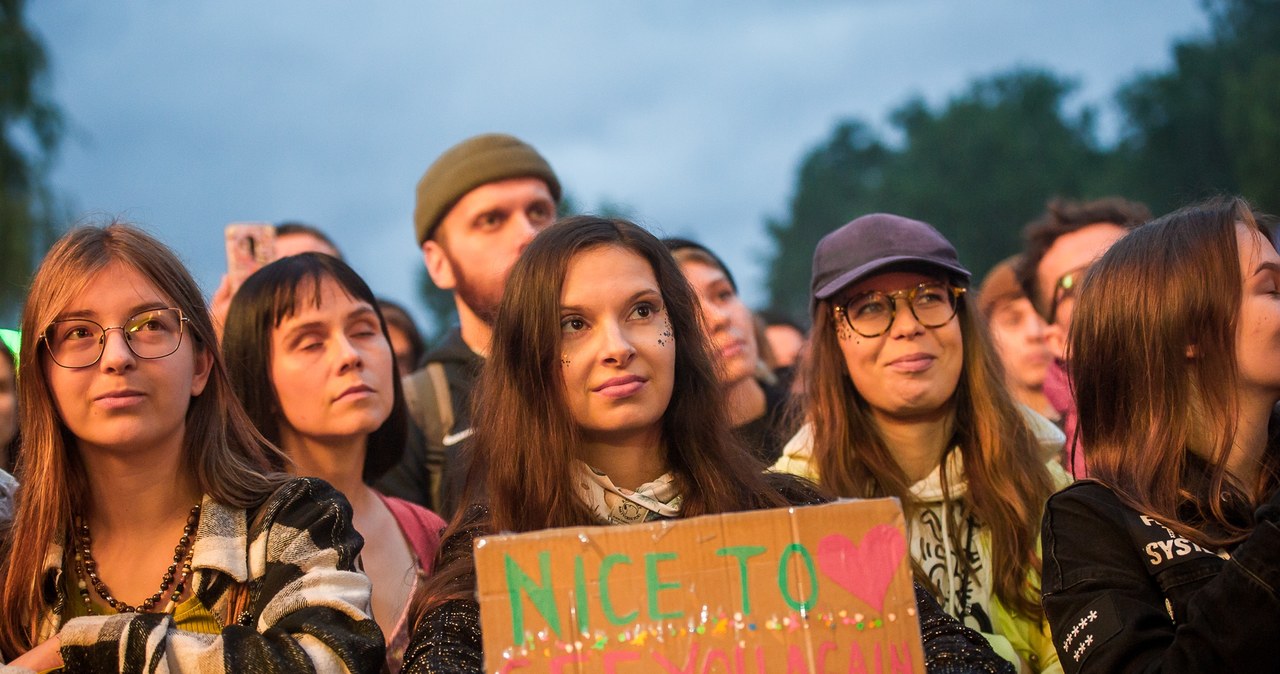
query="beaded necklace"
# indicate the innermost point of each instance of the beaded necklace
(87, 569)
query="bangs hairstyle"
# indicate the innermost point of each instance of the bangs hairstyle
(1007, 481)
(1170, 286)
(230, 460)
(269, 296)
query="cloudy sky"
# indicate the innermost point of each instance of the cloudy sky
(188, 115)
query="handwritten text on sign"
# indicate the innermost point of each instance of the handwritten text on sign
(816, 589)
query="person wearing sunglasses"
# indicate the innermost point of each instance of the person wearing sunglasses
(1061, 244)
(154, 530)
(904, 396)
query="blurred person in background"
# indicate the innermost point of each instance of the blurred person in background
(786, 339)
(8, 409)
(406, 339)
(9, 438)
(755, 398)
(1060, 246)
(291, 238)
(477, 206)
(295, 238)
(1019, 334)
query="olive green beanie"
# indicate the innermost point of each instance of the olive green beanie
(476, 161)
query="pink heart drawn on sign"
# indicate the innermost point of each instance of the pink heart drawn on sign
(864, 570)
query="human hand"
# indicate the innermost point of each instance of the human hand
(45, 656)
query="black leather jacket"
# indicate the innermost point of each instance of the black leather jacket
(1125, 594)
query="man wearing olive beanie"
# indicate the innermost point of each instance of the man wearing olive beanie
(478, 206)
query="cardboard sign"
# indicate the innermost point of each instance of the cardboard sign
(822, 588)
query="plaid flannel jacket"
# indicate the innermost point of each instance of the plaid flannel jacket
(308, 607)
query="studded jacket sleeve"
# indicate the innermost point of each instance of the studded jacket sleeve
(1124, 594)
(307, 607)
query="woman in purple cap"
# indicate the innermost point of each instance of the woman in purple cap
(904, 397)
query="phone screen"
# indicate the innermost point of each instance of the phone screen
(250, 245)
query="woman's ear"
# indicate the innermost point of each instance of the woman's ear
(200, 374)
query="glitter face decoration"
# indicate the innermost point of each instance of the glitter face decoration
(665, 337)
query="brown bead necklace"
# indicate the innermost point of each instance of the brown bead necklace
(87, 568)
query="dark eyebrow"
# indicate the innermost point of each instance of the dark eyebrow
(1267, 266)
(362, 311)
(637, 295)
(497, 210)
(93, 315)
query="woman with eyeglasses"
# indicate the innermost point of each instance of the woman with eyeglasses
(904, 397)
(1168, 558)
(153, 531)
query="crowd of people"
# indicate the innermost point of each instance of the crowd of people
(286, 478)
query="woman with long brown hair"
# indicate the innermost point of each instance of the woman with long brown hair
(1166, 560)
(133, 442)
(904, 397)
(600, 405)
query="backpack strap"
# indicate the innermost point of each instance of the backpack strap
(444, 405)
(431, 408)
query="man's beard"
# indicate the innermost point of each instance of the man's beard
(483, 303)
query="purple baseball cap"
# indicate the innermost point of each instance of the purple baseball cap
(872, 242)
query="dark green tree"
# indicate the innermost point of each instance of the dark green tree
(838, 180)
(1212, 123)
(32, 128)
(978, 169)
(985, 163)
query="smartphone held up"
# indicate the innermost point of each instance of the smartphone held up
(250, 245)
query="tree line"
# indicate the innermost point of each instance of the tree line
(977, 167)
(985, 163)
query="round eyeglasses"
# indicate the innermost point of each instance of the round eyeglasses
(871, 314)
(79, 342)
(1065, 289)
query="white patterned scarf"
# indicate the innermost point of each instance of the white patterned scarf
(615, 505)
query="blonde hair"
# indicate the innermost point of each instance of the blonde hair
(229, 459)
